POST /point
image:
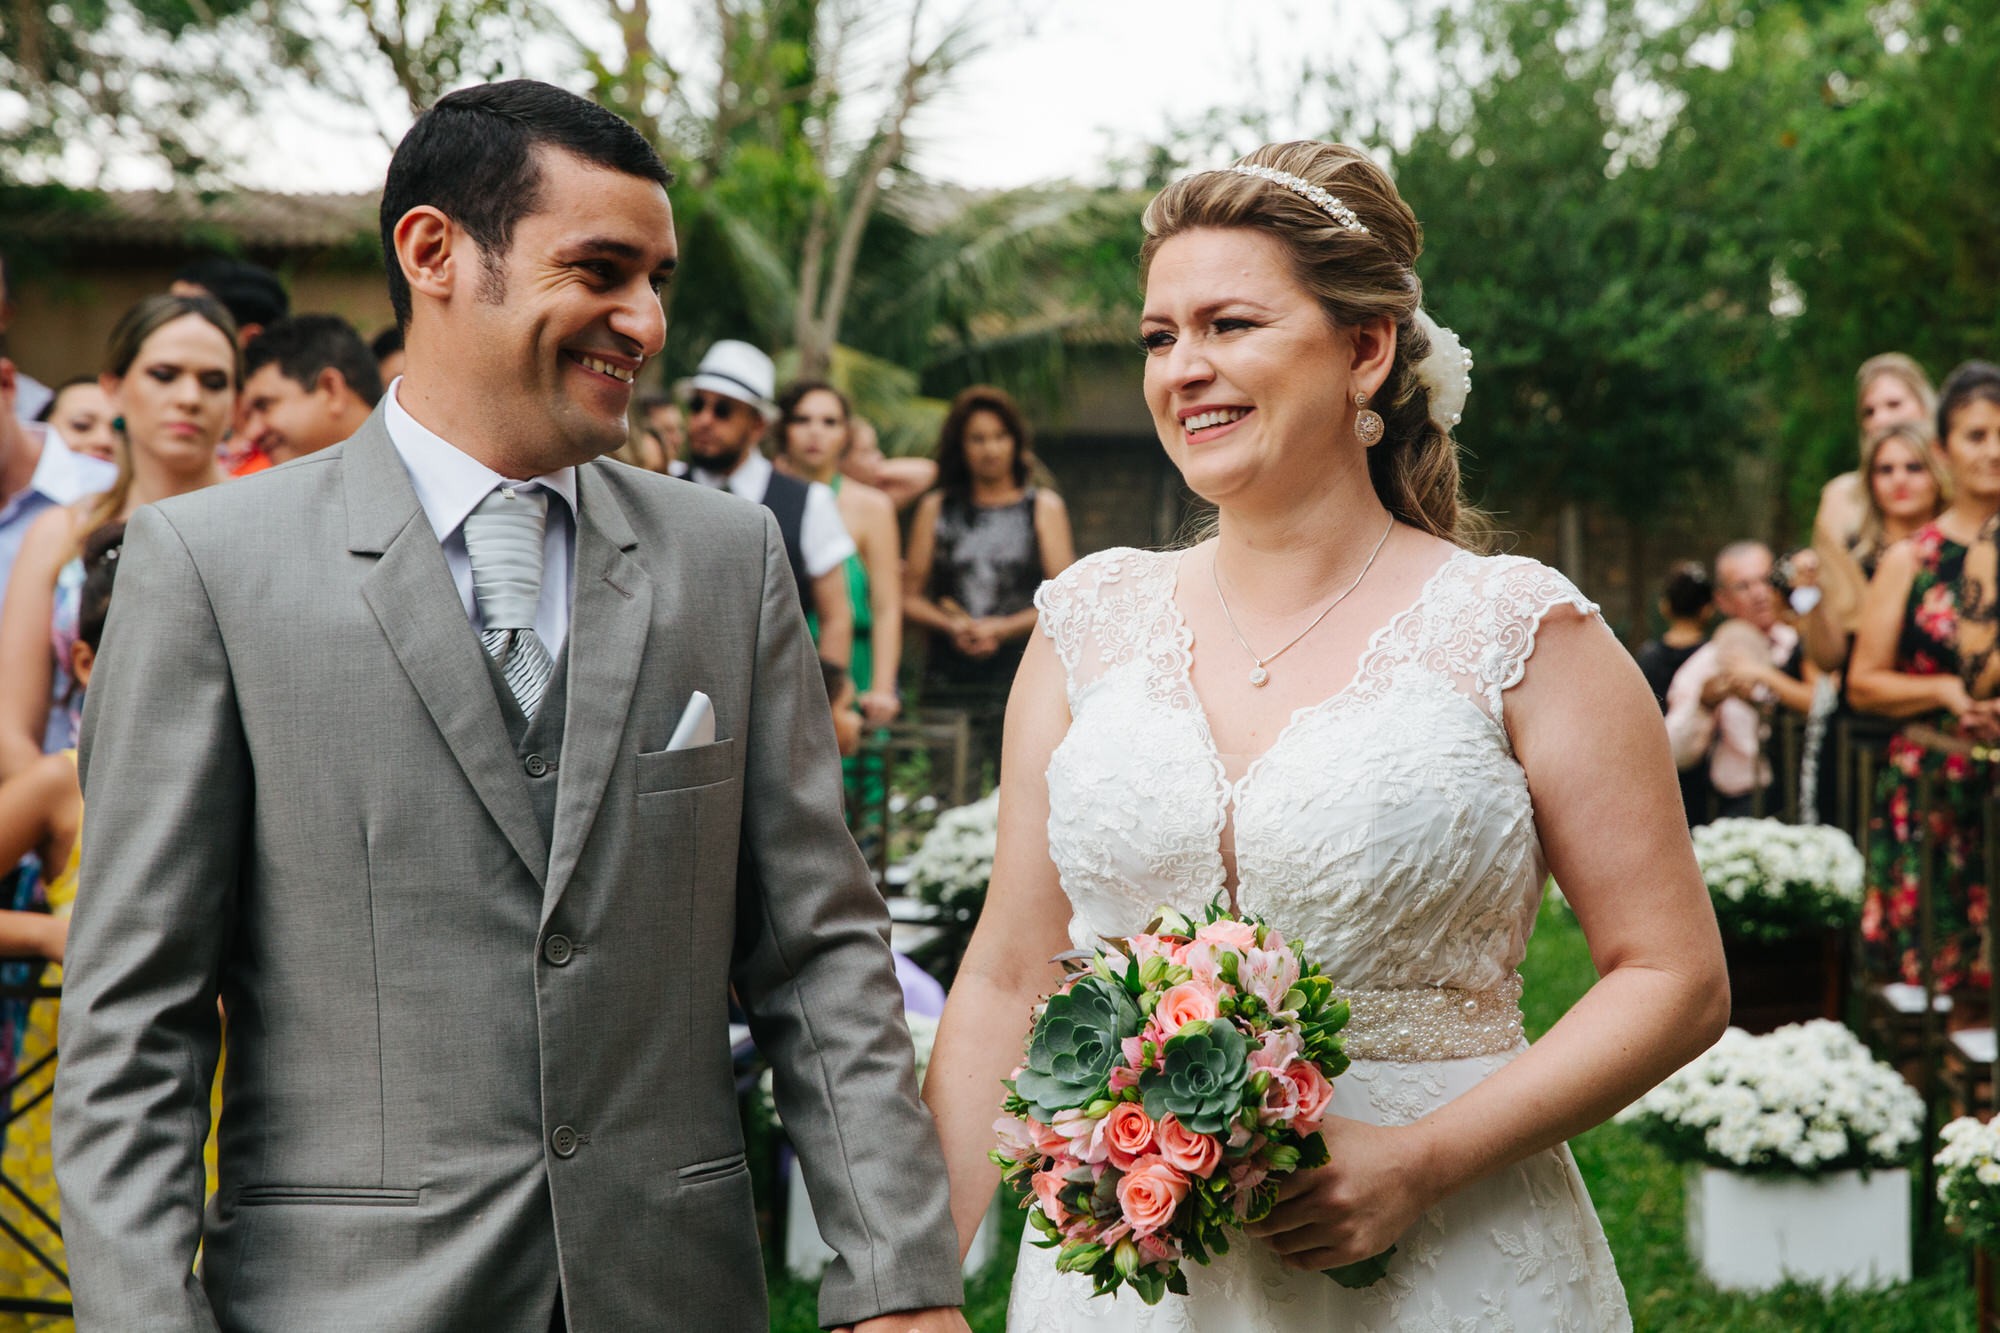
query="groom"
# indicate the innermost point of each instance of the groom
(401, 753)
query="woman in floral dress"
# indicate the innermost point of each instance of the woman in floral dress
(1908, 664)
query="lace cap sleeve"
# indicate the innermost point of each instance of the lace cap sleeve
(1520, 594)
(1097, 612)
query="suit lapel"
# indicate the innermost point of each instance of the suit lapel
(610, 615)
(410, 590)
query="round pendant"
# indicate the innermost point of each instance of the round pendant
(1258, 676)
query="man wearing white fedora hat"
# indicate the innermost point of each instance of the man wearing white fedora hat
(730, 407)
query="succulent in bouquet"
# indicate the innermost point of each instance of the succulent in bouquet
(1168, 1085)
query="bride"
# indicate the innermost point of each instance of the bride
(1340, 717)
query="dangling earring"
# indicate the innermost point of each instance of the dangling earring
(1367, 422)
(118, 424)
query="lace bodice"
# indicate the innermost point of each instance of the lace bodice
(1389, 826)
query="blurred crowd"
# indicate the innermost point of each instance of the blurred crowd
(1882, 632)
(217, 378)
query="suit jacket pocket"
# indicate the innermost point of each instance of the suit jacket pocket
(700, 1172)
(674, 770)
(350, 1196)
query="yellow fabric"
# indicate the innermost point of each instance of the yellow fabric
(27, 1160)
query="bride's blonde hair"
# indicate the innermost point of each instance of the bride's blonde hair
(1355, 276)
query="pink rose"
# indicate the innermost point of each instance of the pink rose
(1184, 1004)
(1128, 1134)
(1185, 1150)
(1268, 974)
(1234, 936)
(1298, 1096)
(1048, 1190)
(1149, 1193)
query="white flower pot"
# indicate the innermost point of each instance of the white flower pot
(1750, 1233)
(806, 1255)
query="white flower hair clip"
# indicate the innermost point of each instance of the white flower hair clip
(1446, 373)
(1305, 189)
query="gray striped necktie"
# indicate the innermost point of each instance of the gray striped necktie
(503, 536)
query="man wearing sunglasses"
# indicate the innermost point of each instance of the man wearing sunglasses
(730, 408)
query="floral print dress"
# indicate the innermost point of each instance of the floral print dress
(1891, 924)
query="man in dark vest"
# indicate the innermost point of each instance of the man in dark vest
(730, 409)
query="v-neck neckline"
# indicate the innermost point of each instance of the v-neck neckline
(1229, 794)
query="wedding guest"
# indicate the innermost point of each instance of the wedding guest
(41, 814)
(1888, 389)
(903, 480)
(309, 382)
(980, 544)
(814, 434)
(729, 410)
(659, 413)
(81, 413)
(251, 293)
(1684, 604)
(1714, 717)
(172, 375)
(30, 394)
(1912, 660)
(388, 351)
(37, 474)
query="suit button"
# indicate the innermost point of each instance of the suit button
(563, 1140)
(536, 766)
(558, 950)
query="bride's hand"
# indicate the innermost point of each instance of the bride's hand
(1355, 1206)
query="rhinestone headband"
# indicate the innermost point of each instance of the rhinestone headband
(1305, 189)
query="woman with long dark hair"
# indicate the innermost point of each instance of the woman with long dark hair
(981, 543)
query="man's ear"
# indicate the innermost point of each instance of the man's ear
(333, 384)
(10, 384)
(431, 250)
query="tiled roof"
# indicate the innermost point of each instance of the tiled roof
(255, 219)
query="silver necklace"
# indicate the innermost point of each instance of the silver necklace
(1259, 674)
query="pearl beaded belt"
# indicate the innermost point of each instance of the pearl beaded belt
(1411, 1023)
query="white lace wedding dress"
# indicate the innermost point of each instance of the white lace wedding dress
(1390, 828)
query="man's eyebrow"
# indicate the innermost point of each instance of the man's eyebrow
(617, 249)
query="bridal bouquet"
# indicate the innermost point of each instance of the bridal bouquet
(1169, 1084)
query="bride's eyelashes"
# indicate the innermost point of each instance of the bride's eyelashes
(1160, 339)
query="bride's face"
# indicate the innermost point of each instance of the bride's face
(1247, 379)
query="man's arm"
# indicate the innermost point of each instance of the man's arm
(815, 976)
(1690, 719)
(167, 790)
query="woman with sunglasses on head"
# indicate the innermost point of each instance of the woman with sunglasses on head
(1910, 664)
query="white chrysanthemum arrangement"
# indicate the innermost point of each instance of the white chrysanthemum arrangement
(1968, 1179)
(1804, 1100)
(955, 861)
(1771, 880)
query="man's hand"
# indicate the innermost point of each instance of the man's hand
(942, 1319)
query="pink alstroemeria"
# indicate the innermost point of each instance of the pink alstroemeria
(1081, 1135)
(1280, 1047)
(1048, 1188)
(1268, 974)
(1235, 936)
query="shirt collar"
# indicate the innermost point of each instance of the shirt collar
(63, 475)
(449, 482)
(751, 478)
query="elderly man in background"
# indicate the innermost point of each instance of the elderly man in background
(1715, 705)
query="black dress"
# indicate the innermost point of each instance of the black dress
(988, 562)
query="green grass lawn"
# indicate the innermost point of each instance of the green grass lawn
(1639, 1196)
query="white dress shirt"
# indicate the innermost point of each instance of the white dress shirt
(450, 483)
(821, 533)
(61, 477)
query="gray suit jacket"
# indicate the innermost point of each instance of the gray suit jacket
(303, 799)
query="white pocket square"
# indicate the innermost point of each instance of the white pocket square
(697, 724)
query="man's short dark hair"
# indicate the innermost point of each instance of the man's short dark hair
(472, 157)
(250, 292)
(388, 342)
(305, 345)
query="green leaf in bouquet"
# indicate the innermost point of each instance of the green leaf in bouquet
(1201, 1077)
(1262, 1200)
(1076, 1043)
(1312, 1152)
(1104, 1197)
(1364, 1274)
(1177, 1282)
(1152, 1288)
